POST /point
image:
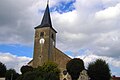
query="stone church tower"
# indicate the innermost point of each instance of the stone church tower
(45, 44)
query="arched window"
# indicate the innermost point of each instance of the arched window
(53, 37)
(41, 34)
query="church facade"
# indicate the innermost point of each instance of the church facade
(45, 44)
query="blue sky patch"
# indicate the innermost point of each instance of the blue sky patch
(16, 49)
(115, 70)
(63, 7)
(69, 53)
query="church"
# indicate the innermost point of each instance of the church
(45, 44)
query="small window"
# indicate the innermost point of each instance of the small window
(53, 37)
(41, 34)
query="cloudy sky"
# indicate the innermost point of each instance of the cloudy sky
(86, 29)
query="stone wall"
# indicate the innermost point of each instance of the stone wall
(61, 59)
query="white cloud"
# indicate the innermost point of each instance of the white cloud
(111, 61)
(92, 25)
(109, 13)
(108, 3)
(108, 44)
(89, 57)
(13, 61)
(78, 28)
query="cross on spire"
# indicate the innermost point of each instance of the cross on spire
(46, 21)
(48, 2)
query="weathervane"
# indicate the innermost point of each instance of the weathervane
(47, 1)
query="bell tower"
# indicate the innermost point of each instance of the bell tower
(44, 40)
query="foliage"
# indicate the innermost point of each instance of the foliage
(48, 71)
(25, 69)
(74, 67)
(99, 70)
(30, 75)
(20, 77)
(11, 74)
(2, 70)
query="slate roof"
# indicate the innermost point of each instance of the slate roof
(46, 21)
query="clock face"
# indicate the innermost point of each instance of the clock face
(41, 41)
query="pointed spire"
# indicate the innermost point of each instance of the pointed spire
(48, 2)
(46, 21)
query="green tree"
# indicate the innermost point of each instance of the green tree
(20, 77)
(49, 71)
(99, 70)
(2, 70)
(30, 75)
(74, 67)
(11, 74)
(25, 69)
